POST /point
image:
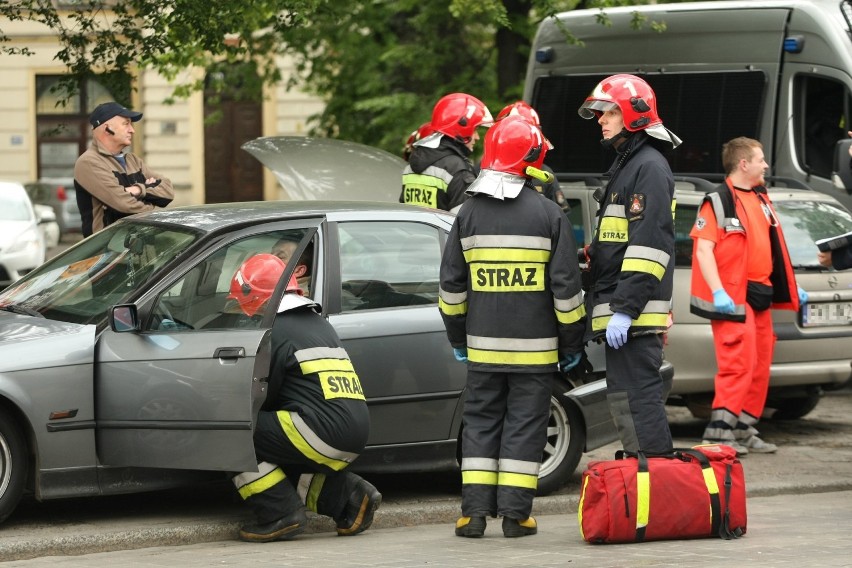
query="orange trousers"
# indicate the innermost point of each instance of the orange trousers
(743, 356)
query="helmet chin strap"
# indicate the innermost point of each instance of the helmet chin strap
(610, 142)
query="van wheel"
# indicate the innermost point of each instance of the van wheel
(13, 465)
(566, 437)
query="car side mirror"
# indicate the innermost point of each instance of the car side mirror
(124, 318)
(842, 172)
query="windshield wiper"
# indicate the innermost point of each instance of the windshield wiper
(19, 309)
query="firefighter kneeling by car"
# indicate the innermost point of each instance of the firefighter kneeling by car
(511, 301)
(313, 424)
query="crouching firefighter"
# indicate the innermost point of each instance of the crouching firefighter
(313, 424)
(512, 305)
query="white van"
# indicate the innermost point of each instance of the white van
(779, 71)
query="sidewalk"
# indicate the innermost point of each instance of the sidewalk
(784, 530)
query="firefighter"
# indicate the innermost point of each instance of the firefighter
(439, 168)
(422, 131)
(512, 304)
(740, 269)
(550, 189)
(314, 421)
(631, 259)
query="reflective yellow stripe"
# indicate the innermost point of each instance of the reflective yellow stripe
(580, 507)
(337, 384)
(521, 480)
(572, 316)
(507, 277)
(318, 365)
(712, 485)
(474, 477)
(452, 309)
(296, 438)
(644, 320)
(643, 498)
(506, 255)
(512, 357)
(424, 181)
(314, 490)
(613, 230)
(646, 266)
(272, 478)
(674, 204)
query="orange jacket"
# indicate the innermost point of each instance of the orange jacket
(732, 260)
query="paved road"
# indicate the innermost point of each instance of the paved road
(799, 501)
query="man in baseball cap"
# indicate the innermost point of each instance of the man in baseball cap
(106, 111)
(110, 182)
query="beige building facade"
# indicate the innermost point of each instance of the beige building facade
(39, 139)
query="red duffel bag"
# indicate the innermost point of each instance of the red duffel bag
(692, 493)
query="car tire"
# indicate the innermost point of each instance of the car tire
(13, 465)
(566, 435)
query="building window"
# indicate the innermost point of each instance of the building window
(62, 123)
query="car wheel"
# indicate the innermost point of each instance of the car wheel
(566, 436)
(13, 465)
(794, 407)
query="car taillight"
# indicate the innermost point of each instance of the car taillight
(60, 193)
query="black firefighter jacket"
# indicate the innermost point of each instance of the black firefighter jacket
(632, 251)
(437, 177)
(510, 284)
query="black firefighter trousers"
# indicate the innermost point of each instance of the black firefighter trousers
(505, 431)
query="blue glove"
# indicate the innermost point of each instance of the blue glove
(723, 302)
(569, 361)
(460, 354)
(803, 296)
(616, 330)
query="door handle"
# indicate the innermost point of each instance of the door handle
(229, 352)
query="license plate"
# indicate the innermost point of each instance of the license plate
(827, 313)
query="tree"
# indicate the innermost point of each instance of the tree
(379, 64)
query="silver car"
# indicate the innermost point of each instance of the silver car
(124, 366)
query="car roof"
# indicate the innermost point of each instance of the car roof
(8, 186)
(693, 196)
(212, 217)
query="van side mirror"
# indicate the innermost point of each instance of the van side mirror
(124, 318)
(842, 171)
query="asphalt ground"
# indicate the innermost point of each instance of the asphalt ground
(814, 456)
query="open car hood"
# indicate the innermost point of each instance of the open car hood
(328, 169)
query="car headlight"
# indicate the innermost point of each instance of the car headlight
(28, 240)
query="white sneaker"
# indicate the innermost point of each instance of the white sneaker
(758, 446)
(738, 447)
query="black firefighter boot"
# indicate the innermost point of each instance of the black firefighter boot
(284, 528)
(361, 505)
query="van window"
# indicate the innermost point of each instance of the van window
(822, 113)
(684, 220)
(704, 109)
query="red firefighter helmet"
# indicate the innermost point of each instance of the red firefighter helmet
(458, 115)
(512, 145)
(631, 94)
(520, 108)
(422, 132)
(254, 282)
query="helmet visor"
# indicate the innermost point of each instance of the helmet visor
(593, 107)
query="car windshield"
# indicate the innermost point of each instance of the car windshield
(804, 222)
(80, 285)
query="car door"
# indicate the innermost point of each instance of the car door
(184, 390)
(389, 322)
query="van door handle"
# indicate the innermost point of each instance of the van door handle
(229, 352)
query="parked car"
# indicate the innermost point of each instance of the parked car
(124, 367)
(60, 195)
(47, 224)
(812, 351)
(22, 246)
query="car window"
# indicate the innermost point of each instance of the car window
(201, 298)
(804, 222)
(80, 285)
(14, 206)
(684, 220)
(388, 264)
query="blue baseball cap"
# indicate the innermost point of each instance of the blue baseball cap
(106, 111)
